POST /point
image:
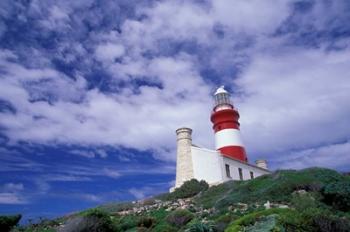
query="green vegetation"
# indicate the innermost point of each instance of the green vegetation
(188, 189)
(199, 226)
(312, 199)
(249, 219)
(179, 218)
(8, 222)
(277, 187)
(338, 194)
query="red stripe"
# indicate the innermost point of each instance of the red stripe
(225, 119)
(235, 152)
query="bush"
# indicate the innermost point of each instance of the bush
(43, 225)
(188, 189)
(179, 217)
(223, 221)
(141, 229)
(301, 202)
(249, 219)
(164, 227)
(337, 194)
(208, 198)
(277, 187)
(127, 222)
(267, 223)
(204, 185)
(202, 227)
(8, 222)
(328, 223)
(147, 222)
(91, 220)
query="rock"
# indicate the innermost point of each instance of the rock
(267, 205)
(80, 224)
(181, 202)
(300, 192)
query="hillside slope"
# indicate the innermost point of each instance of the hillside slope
(313, 199)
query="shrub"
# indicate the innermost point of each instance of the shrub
(95, 220)
(337, 194)
(313, 219)
(164, 227)
(301, 202)
(96, 212)
(223, 221)
(147, 222)
(159, 214)
(204, 185)
(8, 222)
(127, 222)
(43, 225)
(249, 219)
(202, 227)
(142, 229)
(208, 198)
(329, 223)
(277, 187)
(188, 189)
(266, 223)
(179, 217)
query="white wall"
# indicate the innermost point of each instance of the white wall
(207, 165)
(246, 169)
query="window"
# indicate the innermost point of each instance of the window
(251, 175)
(240, 173)
(227, 167)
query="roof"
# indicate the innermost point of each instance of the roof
(221, 89)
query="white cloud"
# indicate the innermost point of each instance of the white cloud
(108, 52)
(65, 178)
(295, 100)
(331, 156)
(90, 197)
(102, 153)
(111, 173)
(251, 17)
(13, 187)
(150, 190)
(11, 193)
(11, 199)
(137, 193)
(58, 18)
(103, 119)
(87, 154)
(290, 98)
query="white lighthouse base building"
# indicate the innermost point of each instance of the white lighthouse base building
(210, 165)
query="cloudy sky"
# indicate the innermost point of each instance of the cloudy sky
(91, 92)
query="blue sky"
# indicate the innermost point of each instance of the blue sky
(91, 92)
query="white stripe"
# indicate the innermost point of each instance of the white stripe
(228, 137)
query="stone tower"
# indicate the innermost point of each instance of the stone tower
(184, 165)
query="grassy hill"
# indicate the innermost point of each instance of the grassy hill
(313, 199)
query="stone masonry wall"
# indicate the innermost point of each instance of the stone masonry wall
(184, 165)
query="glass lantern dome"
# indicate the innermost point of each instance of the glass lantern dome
(222, 97)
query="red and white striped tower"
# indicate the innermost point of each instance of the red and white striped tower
(226, 126)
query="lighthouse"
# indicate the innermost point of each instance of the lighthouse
(226, 127)
(228, 161)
